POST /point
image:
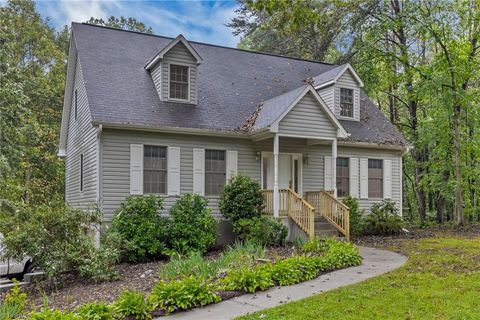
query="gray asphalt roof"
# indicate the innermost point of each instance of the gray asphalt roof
(327, 76)
(232, 83)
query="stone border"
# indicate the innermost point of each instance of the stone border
(375, 262)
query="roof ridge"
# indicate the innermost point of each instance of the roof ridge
(208, 44)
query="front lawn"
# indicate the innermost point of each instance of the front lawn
(441, 280)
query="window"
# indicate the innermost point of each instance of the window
(178, 82)
(346, 102)
(76, 103)
(154, 169)
(343, 177)
(375, 178)
(215, 171)
(81, 172)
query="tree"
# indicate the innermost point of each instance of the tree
(123, 23)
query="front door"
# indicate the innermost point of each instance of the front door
(289, 171)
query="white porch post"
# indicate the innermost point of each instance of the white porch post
(276, 198)
(334, 167)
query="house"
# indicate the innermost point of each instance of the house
(149, 114)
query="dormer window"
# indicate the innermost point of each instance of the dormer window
(346, 102)
(179, 86)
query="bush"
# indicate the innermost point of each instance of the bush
(357, 217)
(139, 228)
(192, 226)
(384, 219)
(54, 236)
(47, 314)
(95, 263)
(96, 311)
(295, 269)
(263, 230)
(342, 255)
(14, 303)
(249, 279)
(183, 294)
(133, 304)
(242, 198)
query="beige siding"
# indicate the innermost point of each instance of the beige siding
(307, 118)
(116, 166)
(328, 95)
(348, 81)
(82, 139)
(179, 54)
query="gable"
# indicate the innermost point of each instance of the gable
(308, 118)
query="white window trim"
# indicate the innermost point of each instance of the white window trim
(205, 170)
(188, 84)
(368, 180)
(340, 103)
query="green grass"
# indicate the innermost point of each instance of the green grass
(441, 280)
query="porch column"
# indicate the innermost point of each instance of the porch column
(276, 197)
(334, 167)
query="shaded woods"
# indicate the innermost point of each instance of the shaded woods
(420, 63)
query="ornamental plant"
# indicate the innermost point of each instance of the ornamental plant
(242, 198)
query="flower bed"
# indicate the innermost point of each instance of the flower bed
(192, 281)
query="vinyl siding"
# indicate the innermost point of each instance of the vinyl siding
(307, 118)
(328, 95)
(156, 74)
(81, 139)
(348, 81)
(179, 54)
(116, 166)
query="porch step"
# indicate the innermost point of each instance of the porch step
(7, 284)
(323, 228)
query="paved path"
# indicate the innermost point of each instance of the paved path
(375, 262)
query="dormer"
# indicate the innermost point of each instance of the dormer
(174, 71)
(340, 89)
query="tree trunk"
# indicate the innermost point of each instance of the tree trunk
(458, 208)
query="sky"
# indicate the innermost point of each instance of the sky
(202, 21)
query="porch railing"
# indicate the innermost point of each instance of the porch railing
(331, 209)
(292, 205)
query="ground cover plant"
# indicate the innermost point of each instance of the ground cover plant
(192, 280)
(439, 281)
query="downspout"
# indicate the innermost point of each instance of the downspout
(99, 184)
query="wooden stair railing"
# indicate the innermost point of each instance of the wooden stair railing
(331, 209)
(292, 205)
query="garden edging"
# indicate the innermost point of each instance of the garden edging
(375, 262)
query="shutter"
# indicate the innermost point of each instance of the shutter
(173, 179)
(387, 179)
(136, 169)
(328, 174)
(232, 164)
(364, 178)
(199, 171)
(354, 177)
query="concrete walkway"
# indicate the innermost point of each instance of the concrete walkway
(375, 262)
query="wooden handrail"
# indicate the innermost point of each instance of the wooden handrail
(292, 205)
(334, 211)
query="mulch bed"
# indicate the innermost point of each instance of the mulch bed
(67, 291)
(393, 241)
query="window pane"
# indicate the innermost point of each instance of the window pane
(154, 169)
(178, 82)
(375, 178)
(343, 177)
(215, 171)
(346, 102)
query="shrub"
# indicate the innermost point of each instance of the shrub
(47, 314)
(357, 217)
(140, 228)
(133, 304)
(341, 255)
(295, 269)
(318, 246)
(53, 235)
(249, 279)
(183, 294)
(263, 230)
(384, 219)
(192, 226)
(96, 311)
(13, 304)
(242, 198)
(95, 263)
(240, 254)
